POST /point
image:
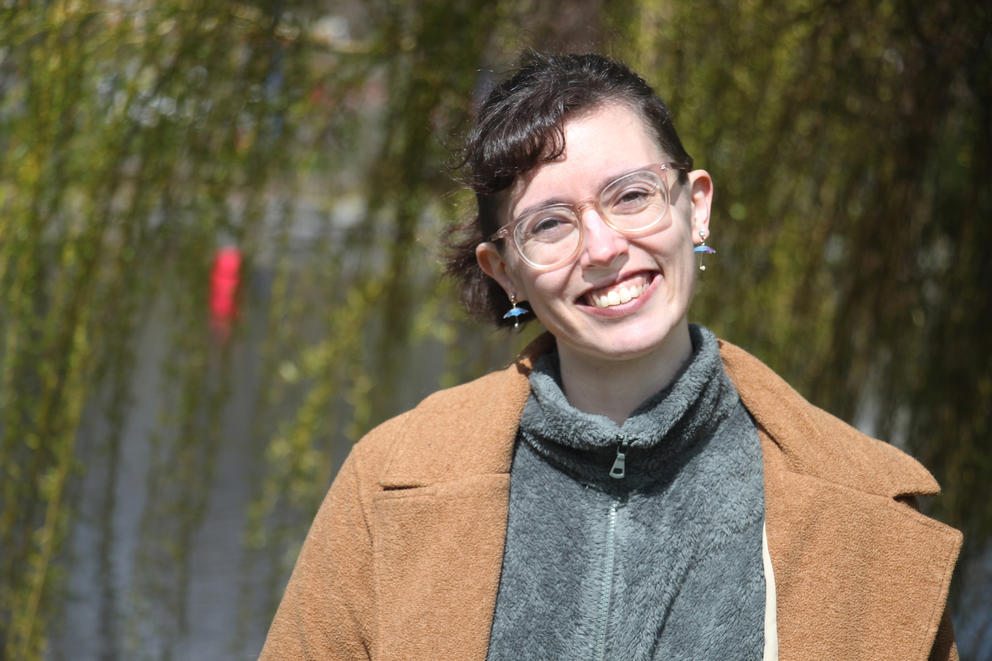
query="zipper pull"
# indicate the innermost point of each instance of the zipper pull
(619, 470)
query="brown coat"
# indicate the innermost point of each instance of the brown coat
(404, 556)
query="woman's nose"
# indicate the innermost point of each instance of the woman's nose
(602, 245)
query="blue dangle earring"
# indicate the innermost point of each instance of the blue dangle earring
(703, 249)
(515, 312)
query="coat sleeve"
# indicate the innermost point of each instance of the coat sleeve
(327, 610)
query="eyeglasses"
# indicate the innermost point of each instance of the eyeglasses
(633, 205)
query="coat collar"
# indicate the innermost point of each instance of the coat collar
(817, 444)
(486, 411)
(812, 442)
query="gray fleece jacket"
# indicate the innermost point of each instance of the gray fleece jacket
(662, 563)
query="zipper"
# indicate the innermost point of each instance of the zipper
(619, 470)
(606, 590)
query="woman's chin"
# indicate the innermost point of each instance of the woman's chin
(629, 342)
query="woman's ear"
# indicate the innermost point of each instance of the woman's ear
(701, 185)
(492, 264)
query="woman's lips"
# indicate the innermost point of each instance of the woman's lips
(619, 292)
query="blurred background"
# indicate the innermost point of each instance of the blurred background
(220, 231)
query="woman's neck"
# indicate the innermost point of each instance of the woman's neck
(614, 388)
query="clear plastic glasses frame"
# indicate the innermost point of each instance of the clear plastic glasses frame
(634, 204)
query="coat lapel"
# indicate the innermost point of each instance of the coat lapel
(441, 520)
(859, 572)
(857, 576)
(437, 554)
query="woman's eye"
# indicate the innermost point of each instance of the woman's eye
(633, 199)
(548, 224)
(549, 227)
(632, 196)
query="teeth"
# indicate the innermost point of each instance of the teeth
(623, 294)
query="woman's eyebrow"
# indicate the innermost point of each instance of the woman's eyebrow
(552, 201)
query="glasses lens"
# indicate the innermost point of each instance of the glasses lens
(635, 202)
(548, 236)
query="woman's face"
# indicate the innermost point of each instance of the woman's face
(653, 273)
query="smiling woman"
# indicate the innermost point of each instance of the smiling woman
(631, 487)
(618, 302)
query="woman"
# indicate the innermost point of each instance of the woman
(631, 487)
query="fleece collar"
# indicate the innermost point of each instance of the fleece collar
(661, 432)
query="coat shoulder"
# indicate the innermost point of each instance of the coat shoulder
(816, 443)
(464, 430)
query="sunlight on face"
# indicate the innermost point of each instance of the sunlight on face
(622, 297)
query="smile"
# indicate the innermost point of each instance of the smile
(620, 292)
